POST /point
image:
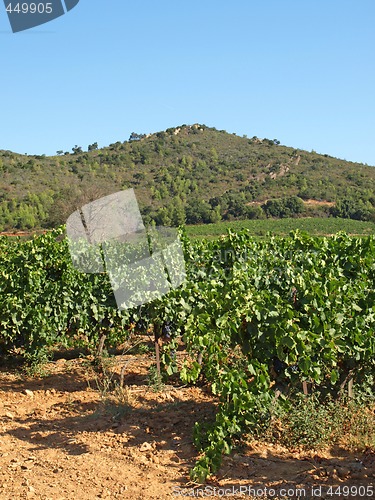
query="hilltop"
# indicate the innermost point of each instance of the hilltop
(190, 173)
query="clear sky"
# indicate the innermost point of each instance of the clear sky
(300, 71)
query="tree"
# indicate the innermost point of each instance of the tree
(60, 152)
(199, 211)
(294, 204)
(254, 212)
(215, 214)
(284, 207)
(136, 137)
(178, 212)
(77, 149)
(348, 208)
(214, 157)
(71, 198)
(163, 217)
(93, 147)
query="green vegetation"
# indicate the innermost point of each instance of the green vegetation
(282, 227)
(188, 174)
(270, 314)
(257, 317)
(45, 302)
(306, 423)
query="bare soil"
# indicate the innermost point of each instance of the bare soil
(66, 436)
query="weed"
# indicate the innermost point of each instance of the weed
(144, 348)
(154, 380)
(359, 426)
(307, 422)
(37, 369)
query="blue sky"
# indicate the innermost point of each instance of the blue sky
(300, 71)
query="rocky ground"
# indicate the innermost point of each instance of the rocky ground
(66, 435)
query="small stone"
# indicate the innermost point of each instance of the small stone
(143, 460)
(145, 446)
(104, 494)
(343, 472)
(29, 393)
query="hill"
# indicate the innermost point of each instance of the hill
(192, 173)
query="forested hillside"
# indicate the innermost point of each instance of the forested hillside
(188, 174)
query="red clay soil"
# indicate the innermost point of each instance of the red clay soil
(67, 436)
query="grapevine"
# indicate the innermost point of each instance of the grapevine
(252, 315)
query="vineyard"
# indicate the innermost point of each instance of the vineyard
(259, 320)
(316, 226)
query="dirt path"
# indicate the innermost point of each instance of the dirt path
(61, 438)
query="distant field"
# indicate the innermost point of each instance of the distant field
(260, 228)
(313, 226)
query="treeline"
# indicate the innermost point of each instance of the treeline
(38, 211)
(32, 212)
(234, 207)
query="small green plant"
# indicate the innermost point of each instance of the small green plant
(119, 402)
(37, 365)
(359, 427)
(154, 380)
(116, 398)
(307, 422)
(103, 379)
(144, 348)
(310, 424)
(37, 370)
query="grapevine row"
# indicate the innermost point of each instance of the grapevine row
(253, 316)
